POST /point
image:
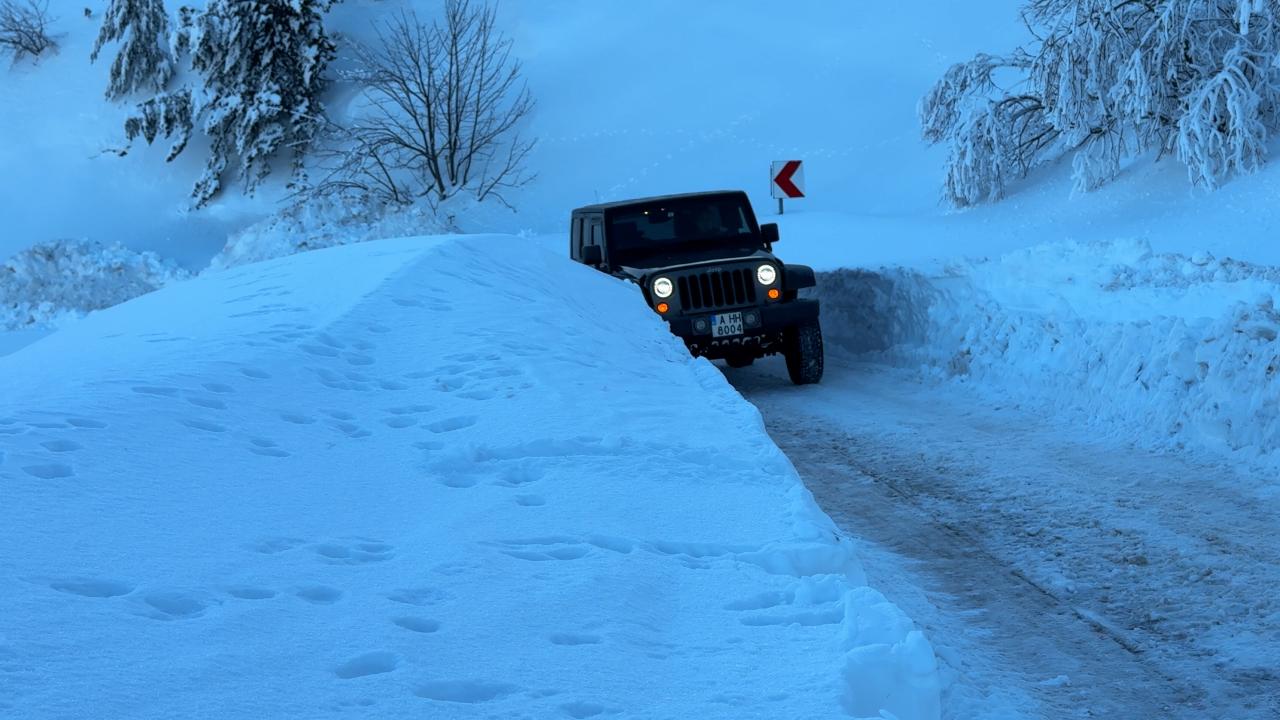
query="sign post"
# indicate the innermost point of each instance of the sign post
(786, 180)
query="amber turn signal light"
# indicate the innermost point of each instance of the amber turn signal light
(774, 293)
(663, 307)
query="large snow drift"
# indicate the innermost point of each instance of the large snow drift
(447, 478)
(1166, 349)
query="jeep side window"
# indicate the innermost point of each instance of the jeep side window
(595, 232)
(575, 249)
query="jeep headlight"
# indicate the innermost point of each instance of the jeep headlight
(766, 274)
(663, 288)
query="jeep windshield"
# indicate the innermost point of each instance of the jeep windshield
(665, 231)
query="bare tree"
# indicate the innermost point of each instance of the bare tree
(24, 27)
(443, 106)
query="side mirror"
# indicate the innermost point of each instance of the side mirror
(769, 232)
(592, 255)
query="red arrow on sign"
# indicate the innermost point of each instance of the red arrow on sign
(784, 182)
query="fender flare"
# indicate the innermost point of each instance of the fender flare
(795, 277)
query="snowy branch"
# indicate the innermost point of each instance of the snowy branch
(1106, 81)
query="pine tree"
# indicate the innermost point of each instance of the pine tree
(168, 115)
(144, 62)
(262, 63)
(259, 68)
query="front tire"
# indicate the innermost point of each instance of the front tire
(802, 347)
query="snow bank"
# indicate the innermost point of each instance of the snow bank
(324, 223)
(449, 477)
(71, 277)
(1176, 350)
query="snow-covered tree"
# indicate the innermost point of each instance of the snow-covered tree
(259, 68)
(180, 42)
(1106, 81)
(168, 115)
(262, 62)
(144, 62)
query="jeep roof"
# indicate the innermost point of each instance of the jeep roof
(600, 207)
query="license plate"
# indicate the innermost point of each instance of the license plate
(726, 324)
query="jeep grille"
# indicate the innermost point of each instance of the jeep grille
(716, 289)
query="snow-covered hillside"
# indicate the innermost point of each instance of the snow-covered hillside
(416, 477)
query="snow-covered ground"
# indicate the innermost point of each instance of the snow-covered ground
(1080, 389)
(416, 477)
(1058, 573)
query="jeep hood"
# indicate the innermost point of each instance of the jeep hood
(687, 259)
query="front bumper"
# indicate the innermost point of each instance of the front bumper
(762, 339)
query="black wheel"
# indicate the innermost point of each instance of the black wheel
(739, 361)
(802, 346)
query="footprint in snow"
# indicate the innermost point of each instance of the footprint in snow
(205, 425)
(320, 350)
(351, 430)
(330, 341)
(417, 624)
(452, 424)
(320, 594)
(543, 552)
(355, 553)
(49, 471)
(410, 409)
(276, 545)
(373, 663)
(449, 383)
(464, 691)
(250, 592)
(582, 710)
(61, 446)
(204, 402)
(91, 587)
(459, 481)
(174, 605)
(420, 597)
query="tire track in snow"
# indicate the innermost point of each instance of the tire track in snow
(1061, 577)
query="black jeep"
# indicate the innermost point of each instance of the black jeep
(708, 267)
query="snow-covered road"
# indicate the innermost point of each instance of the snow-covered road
(1055, 574)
